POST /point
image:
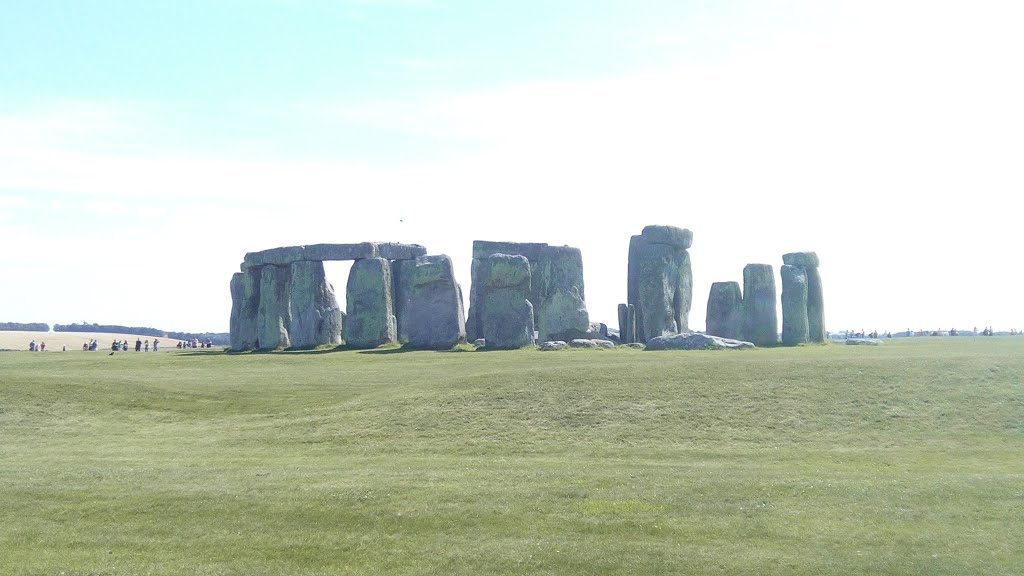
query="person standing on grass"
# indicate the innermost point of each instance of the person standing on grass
(138, 344)
(147, 345)
(155, 344)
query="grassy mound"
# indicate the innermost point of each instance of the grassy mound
(901, 459)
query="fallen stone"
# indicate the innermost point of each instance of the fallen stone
(554, 345)
(695, 341)
(863, 342)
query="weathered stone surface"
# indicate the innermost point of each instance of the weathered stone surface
(507, 313)
(554, 345)
(802, 259)
(398, 251)
(508, 271)
(604, 343)
(508, 319)
(274, 257)
(725, 310)
(660, 287)
(329, 252)
(475, 314)
(670, 235)
(815, 307)
(245, 310)
(864, 342)
(371, 318)
(627, 323)
(531, 250)
(559, 288)
(479, 342)
(274, 315)
(428, 303)
(582, 343)
(694, 341)
(316, 318)
(794, 305)
(760, 319)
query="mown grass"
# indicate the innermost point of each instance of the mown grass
(901, 459)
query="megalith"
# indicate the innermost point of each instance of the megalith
(627, 323)
(556, 290)
(794, 305)
(316, 318)
(725, 310)
(561, 310)
(274, 315)
(760, 319)
(507, 311)
(428, 303)
(808, 262)
(660, 281)
(245, 305)
(370, 321)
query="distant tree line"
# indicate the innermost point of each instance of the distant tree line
(217, 338)
(24, 326)
(108, 328)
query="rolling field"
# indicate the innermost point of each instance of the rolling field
(901, 459)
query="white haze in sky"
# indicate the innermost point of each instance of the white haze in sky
(886, 136)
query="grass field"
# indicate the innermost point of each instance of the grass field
(901, 459)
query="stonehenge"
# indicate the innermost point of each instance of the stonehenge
(521, 294)
(281, 298)
(659, 282)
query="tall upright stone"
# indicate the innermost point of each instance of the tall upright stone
(808, 262)
(627, 323)
(561, 311)
(370, 321)
(428, 303)
(274, 315)
(316, 318)
(725, 310)
(760, 319)
(660, 281)
(794, 305)
(507, 311)
(245, 305)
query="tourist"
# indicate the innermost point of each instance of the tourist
(32, 346)
(155, 344)
(147, 345)
(138, 344)
(42, 346)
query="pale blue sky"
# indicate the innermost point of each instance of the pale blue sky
(146, 146)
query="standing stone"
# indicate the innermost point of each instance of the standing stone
(428, 303)
(794, 305)
(475, 315)
(660, 281)
(760, 319)
(561, 309)
(245, 305)
(371, 318)
(725, 310)
(627, 323)
(507, 312)
(274, 315)
(316, 318)
(808, 261)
